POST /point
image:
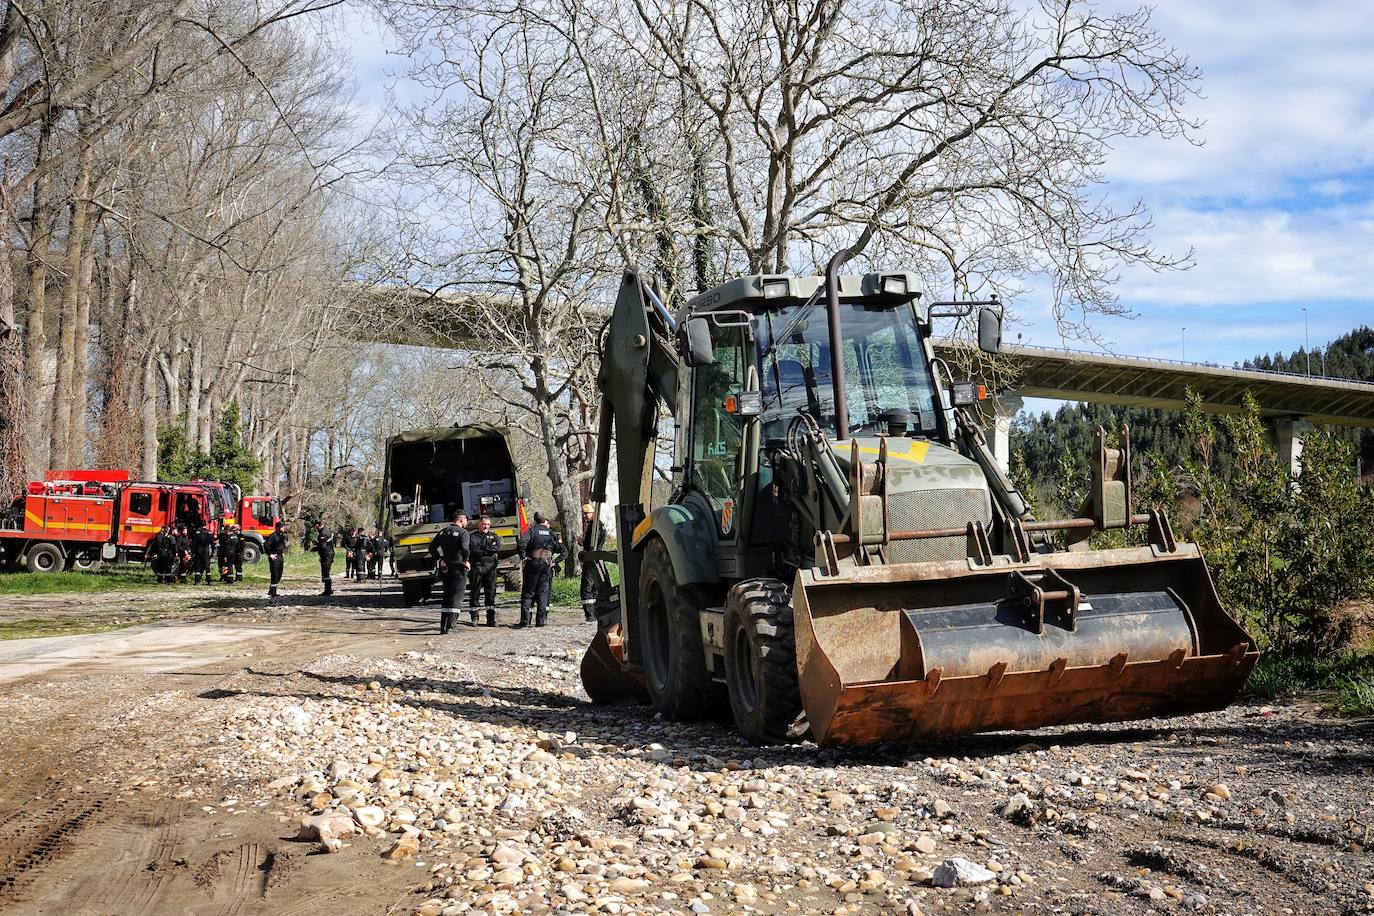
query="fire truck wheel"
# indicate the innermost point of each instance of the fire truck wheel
(45, 558)
(84, 561)
(251, 552)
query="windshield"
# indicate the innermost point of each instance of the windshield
(886, 373)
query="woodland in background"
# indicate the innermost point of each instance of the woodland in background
(175, 230)
(1292, 556)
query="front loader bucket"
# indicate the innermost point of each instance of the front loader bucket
(929, 650)
(602, 676)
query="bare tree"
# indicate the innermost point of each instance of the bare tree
(517, 243)
(964, 138)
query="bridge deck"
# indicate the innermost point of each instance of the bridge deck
(1140, 382)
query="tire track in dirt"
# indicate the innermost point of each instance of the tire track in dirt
(29, 840)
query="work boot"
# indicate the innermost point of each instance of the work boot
(473, 615)
(524, 620)
(271, 591)
(589, 611)
(328, 588)
(491, 617)
(541, 620)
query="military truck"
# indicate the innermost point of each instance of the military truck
(432, 472)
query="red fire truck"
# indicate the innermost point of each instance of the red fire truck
(78, 522)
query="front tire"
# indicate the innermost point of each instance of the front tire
(251, 552)
(84, 561)
(45, 558)
(761, 661)
(679, 683)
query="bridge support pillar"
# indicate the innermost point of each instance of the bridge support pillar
(998, 433)
(1288, 433)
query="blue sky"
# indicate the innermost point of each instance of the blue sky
(1278, 204)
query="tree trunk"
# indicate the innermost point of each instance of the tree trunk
(566, 506)
(35, 362)
(193, 389)
(150, 416)
(74, 309)
(12, 417)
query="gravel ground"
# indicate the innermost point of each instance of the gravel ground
(354, 761)
(477, 760)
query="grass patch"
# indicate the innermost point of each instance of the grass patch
(1345, 683)
(105, 579)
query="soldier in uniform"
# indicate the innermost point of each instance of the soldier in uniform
(482, 550)
(593, 538)
(538, 554)
(324, 546)
(202, 554)
(274, 545)
(450, 545)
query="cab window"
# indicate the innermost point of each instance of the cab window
(716, 433)
(140, 503)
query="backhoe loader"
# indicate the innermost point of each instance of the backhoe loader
(840, 552)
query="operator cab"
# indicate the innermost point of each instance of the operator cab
(769, 333)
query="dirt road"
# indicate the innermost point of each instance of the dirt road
(165, 768)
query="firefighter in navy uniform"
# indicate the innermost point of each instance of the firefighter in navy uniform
(274, 545)
(202, 554)
(484, 544)
(359, 554)
(593, 538)
(183, 547)
(324, 546)
(228, 550)
(346, 543)
(374, 556)
(538, 554)
(451, 545)
(161, 553)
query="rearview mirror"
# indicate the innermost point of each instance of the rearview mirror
(696, 338)
(989, 331)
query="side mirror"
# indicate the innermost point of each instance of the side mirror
(989, 331)
(696, 338)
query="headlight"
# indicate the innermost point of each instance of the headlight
(776, 289)
(894, 286)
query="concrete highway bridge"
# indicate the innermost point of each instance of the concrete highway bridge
(1292, 402)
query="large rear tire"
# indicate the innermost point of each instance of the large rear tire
(251, 552)
(761, 661)
(414, 592)
(680, 686)
(45, 558)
